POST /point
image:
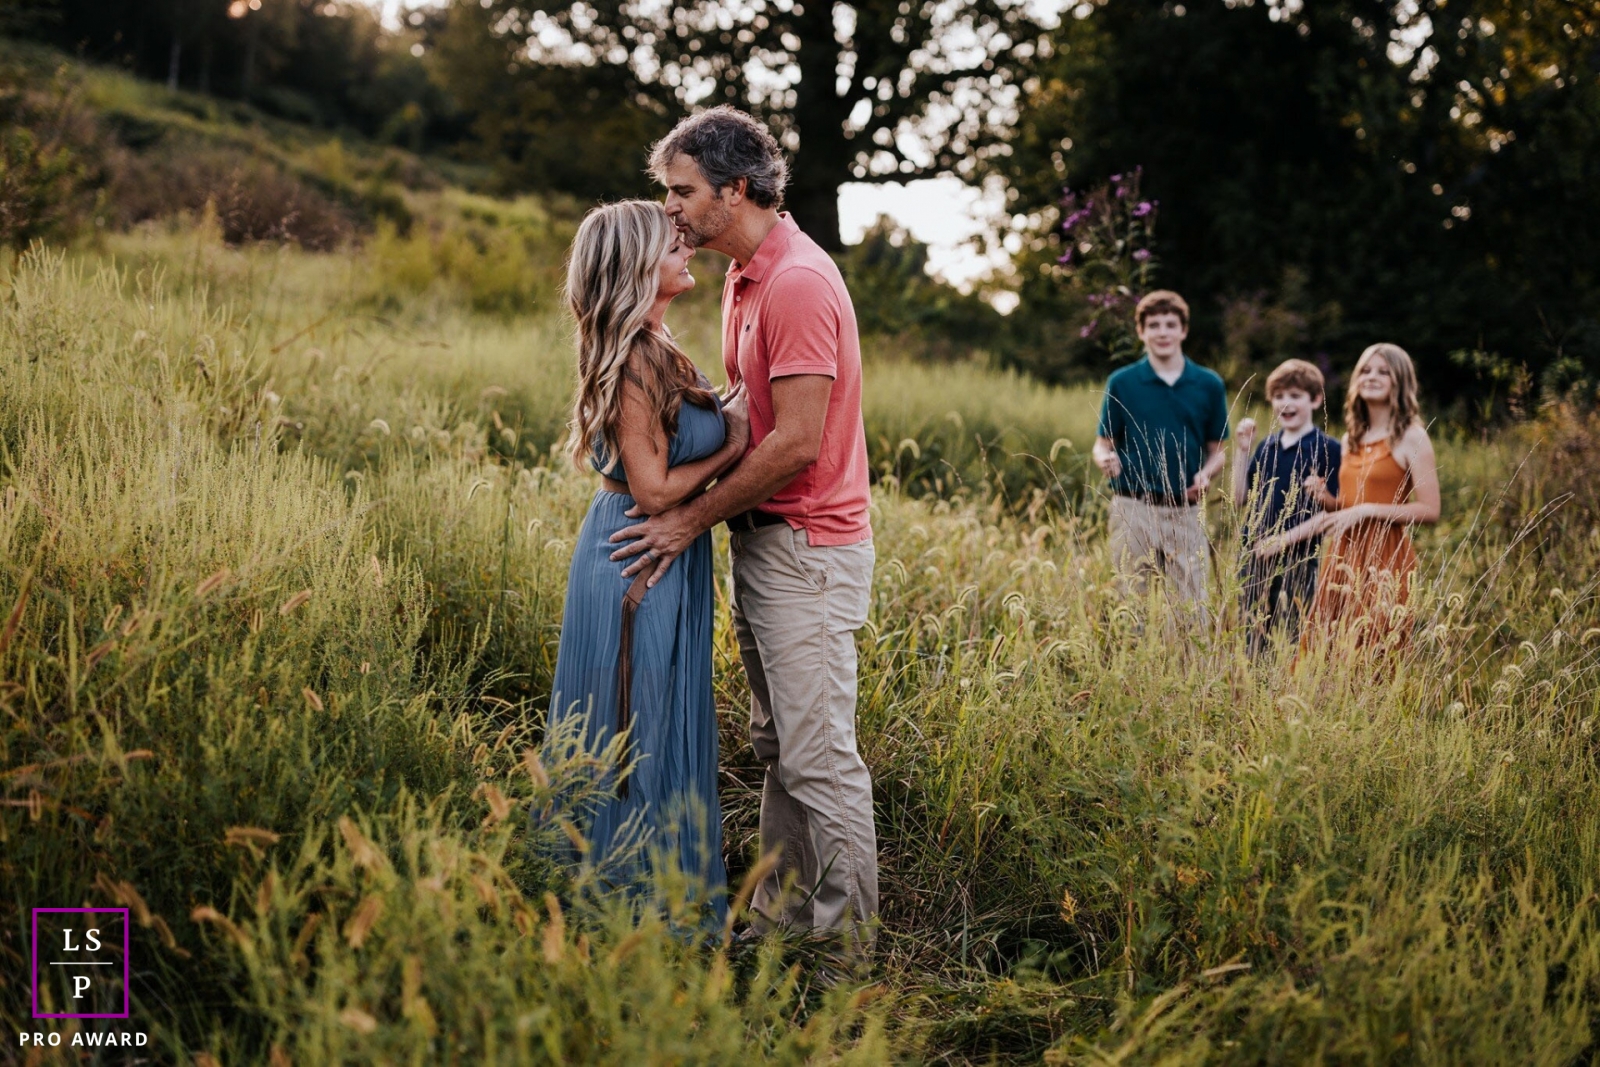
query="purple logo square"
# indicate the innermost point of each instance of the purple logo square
(76, 942)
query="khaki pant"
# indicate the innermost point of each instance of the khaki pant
(1169, 542)
(796, 609)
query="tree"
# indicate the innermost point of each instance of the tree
(331, 63)
(858, 92)
(573, 128)
(1416, 172)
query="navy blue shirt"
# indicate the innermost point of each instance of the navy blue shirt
(1278, 500)
(1161, 431)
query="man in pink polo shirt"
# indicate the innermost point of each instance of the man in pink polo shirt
(798, 510)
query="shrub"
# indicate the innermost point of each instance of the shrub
(896, 299)
(253, 200)
(499, 266)
(49, 147)
(1555, 487)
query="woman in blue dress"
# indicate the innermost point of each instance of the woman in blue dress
(630, 664)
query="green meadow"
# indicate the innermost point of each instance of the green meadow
(283, 541)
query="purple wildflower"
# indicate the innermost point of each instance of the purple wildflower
(1066, 257)
(1089, 329)
(1143, 208)
(1141, 254)
(1116, 178)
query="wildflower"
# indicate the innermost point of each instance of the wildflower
(1065, 257)
(1089, 329)
(1071, 222)
(1141, 254)
(1143, 208)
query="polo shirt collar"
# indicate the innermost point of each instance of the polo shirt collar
(771, 250)
(1147, 370)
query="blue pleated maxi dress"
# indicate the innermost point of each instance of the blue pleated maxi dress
(671, 795)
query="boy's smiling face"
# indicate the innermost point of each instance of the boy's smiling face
(1293, 407)
(1163, 333)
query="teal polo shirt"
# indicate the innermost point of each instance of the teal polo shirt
(1161, 430)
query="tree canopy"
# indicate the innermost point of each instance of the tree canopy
(858, 92)
(1327, 174)
(325, 62)
(1378, 169)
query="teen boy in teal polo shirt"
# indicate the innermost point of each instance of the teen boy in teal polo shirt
(1160, 442)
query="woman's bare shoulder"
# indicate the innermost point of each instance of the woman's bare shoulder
(1416, 436)
(1413, 445)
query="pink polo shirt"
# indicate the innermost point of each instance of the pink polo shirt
(787, 312)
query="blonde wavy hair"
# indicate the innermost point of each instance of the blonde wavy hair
(1406, 410)
(613, 272)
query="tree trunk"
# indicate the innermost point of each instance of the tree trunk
(823, 162)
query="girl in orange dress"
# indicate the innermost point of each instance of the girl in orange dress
(1388, 481)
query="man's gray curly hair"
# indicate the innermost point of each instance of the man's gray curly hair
(726, 144)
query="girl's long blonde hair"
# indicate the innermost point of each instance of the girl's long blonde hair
(1404, 409)
(613, 272)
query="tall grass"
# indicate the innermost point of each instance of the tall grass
(286, 568)
(222, 712)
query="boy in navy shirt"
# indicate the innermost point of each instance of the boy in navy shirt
(1290, 478)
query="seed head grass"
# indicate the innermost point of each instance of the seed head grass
(281, 574)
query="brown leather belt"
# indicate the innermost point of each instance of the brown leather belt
(754, 519)
(1160, 500)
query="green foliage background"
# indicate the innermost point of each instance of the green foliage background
(1329, 175)
(1334, 176)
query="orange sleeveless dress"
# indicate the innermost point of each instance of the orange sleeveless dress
(1365, 576)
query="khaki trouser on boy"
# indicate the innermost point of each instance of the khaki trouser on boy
(796, 609)
(1168, 542)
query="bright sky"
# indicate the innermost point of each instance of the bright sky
(942, 213)
(393, 9)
